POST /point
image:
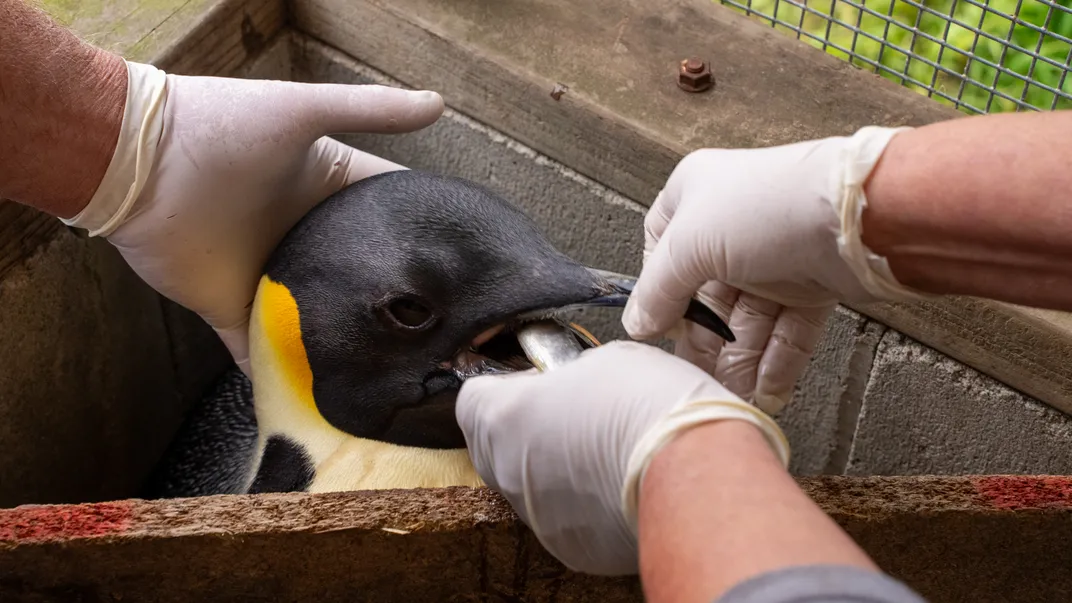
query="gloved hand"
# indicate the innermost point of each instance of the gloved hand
(210, 173)
(771, 240)
(569, 447)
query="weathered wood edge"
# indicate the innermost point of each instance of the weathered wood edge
(223, 38)
(415, 511)
(171, 32)
(466, 544)
(624, 123)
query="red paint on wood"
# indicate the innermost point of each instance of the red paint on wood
(63, 522)
(1025, 492)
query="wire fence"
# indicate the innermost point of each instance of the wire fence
(980, 56)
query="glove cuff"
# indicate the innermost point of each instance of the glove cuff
(856, 162)
(135, 151)
(680, 420)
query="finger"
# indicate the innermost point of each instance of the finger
(646, 315)
(665, 206)
(341, 108)
(481, 400)
(337, 165)
(792, 344)
(478, 409)
(752, 321)
(359, 164)
(699, 345)
(656, 221)
(668, 280)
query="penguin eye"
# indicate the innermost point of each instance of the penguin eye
(409, 313)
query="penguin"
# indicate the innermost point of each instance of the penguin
(368, 317)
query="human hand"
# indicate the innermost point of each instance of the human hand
(568, 448)
(771, 240)
(210, 173)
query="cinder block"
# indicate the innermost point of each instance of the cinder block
(924, 413)
(87, 401)
(821, 418)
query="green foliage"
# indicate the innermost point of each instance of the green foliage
(904, 43)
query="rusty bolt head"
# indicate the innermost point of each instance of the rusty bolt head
(694, 75)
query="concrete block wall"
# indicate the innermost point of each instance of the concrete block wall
(871, 402)
(923, 412)
(875, 402)
(97, 372)
(85, 368)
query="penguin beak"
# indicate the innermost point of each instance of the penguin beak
(618, 287)
(535, 340)
(614, 290)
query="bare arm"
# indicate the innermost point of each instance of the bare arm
(978, 206)
(61, 106)
(707, 524)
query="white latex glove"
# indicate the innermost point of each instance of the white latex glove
(771, 240)
(568, 448)
(210, 173)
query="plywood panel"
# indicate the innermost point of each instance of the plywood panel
(956, 540)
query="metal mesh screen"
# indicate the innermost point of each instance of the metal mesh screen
(980, 56)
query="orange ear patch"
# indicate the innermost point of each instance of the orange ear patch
(280, 324)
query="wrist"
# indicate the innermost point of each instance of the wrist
(735, 439)
(684, 419)
(966, 207)
(853, 171)
(696, 505)
(724, 447)
(718, 508)
(106, 81)
(133, 155)
(61, 122)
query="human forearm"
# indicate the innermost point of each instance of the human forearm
(978, 206)
(716, 508)
(61, 107)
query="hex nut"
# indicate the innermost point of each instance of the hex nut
(694, 75)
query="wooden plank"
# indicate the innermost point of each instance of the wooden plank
(498, 60)
(467, 544)
(219, 40)
(624, 122)
(133, 28)
(146, 30)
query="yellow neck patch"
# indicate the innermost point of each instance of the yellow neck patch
(283, 395)
(279, 324)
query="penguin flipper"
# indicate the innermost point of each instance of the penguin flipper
(214, 451)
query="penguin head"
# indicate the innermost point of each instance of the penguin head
(391, 292)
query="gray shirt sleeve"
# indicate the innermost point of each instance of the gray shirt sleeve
(821, 584)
